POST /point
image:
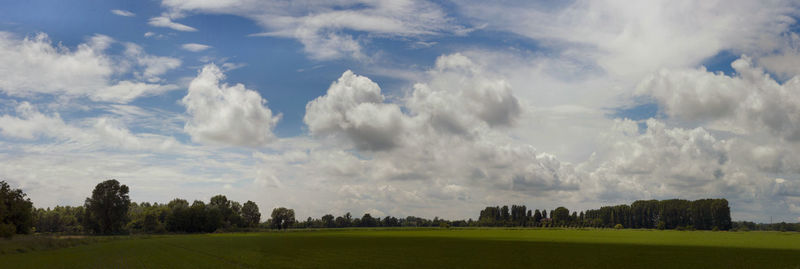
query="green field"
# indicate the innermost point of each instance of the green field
(414, 248)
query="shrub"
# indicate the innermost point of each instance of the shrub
(618, 226)
(7, 230)
(661, 225)
(716, 229)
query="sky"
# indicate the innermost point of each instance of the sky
(405, 107)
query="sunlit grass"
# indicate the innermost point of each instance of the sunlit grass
(415, 248)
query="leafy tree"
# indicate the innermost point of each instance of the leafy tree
(560, 216)
(250, 213)
(16, 211)
(282, 218)
(328, 221)
(107, 209)
(368, 221)
(179, 219)
(506, 216)
(221, 209)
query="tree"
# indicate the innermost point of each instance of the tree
(16, 212)
(222, 211)
(250, 214)
(537, 217)
(328, 221)
(107, 209)
(560, 216)
(506, 216)
(368, 221)
(179, 218)
(282, 218)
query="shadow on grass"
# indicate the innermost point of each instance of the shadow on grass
(337, 250)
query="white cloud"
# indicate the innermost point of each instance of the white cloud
(165, 21)
(746, 103)
(123, 13)
(127, 91)
(154, 66)
(459, 100)
(34, 66)
(354, 106)
(629, 40)
(320, 26)
(226, 115)
(194, 47)
(30, 124)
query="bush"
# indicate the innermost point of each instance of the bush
(716, 229)
(661, 225)
(618, 226)
(7, 230)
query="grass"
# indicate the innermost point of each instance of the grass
(28, 243)
(427, 248)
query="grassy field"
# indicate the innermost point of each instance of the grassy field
(453, 248)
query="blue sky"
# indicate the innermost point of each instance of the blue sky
(449, 106)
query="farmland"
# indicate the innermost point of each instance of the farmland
(412, 248)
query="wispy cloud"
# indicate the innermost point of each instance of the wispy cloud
(194, 47)
(166, 21)
(123, 13)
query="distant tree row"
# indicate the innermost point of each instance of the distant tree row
(367, 220)
(752, 226)
(704, 214)
(110, 211)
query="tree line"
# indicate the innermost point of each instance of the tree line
(109, 211)
(703, 214)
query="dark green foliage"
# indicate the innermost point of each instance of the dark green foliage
(491, 216)
(282, 218)
(107, 209)
(518, 215)
(328, 221)
(704, 214)
(368, 221)
(61, 219)
(251, 215)
(16, 211)
(560, 216)
(7, 230)
(751, 226)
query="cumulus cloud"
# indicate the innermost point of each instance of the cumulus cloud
(354, 106)
(226, 115)
(124, 13)
(744, 103)
(321, 26)
(165, 21)
(459, 100)
(461, 95)
(33, 65)
(194, 47)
